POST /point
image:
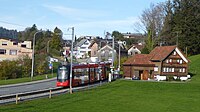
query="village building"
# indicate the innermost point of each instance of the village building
(11, 49)
(162, 62)
(135, 49)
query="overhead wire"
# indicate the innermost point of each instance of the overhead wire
(12, 23)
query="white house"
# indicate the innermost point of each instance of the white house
(82, 49)
(135, 49)
(105, 53)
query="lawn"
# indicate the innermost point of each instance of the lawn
(124, 96)
(26, 79)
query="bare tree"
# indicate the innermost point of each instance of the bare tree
(152, 19)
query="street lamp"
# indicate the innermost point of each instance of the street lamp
(120, 44)
(113, 47)
(33, 54)
(71, 58)
(112, 66)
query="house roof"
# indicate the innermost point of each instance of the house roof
(105, 47)
(157, 54)
(139, 47)
(161, 52)
(81, 42)
(139, 59)
(92, 43)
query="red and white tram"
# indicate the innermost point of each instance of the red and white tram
(82, 74)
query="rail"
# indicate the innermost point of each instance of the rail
(20, 97)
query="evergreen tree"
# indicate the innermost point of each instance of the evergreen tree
(186, 23)
(57, 39)
(150, 43)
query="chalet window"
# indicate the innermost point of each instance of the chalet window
(13, 52)
(174, 53)
(180, 70)
(156, 69)
(181, 61)
(164, 69)
(4, 43)
(2, 51)
(167, 61)
(183, 70)
(178, 61)
(167, 69)
(172, 69)
(170, 60)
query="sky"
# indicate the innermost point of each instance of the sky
(88, 17)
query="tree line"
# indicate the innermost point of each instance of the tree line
(5, 33)
(174, 22)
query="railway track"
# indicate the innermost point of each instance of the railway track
(20, 97)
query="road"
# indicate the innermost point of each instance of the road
(27, 87)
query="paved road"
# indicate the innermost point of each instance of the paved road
(27, 87)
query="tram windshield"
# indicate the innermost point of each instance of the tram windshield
(63, 73)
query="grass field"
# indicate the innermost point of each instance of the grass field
(124, 96)
(26, 79)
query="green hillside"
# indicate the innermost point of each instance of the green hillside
(124, 96)
(194, 68)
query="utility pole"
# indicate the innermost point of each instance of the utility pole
(71, 56)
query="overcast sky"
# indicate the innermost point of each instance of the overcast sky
(88, 17)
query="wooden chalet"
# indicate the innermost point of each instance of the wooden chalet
(162, 62)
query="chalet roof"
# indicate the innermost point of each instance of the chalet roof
(139, 59)
(161, 52)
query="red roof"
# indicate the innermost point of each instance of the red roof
(160, 53)
(139, 59)
(157, 54)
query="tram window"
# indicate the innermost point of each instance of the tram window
(63, 73)
(78, 72)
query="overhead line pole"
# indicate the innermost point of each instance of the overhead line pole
(71, 56)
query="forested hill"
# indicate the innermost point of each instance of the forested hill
(5, 33)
